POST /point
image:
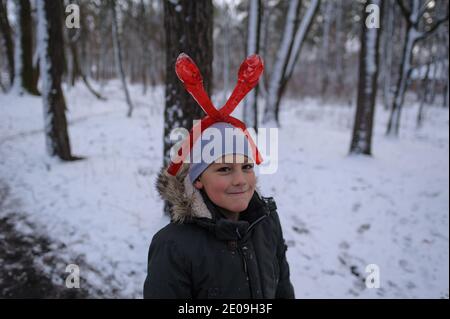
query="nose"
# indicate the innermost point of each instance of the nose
(238, 178)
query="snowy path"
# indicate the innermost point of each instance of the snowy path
(25, 255)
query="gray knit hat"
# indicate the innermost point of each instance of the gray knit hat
(218, 140)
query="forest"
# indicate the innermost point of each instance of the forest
(357, 91)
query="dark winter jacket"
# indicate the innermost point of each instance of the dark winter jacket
(201, 254)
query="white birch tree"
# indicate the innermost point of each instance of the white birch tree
(253, 41)
(118, 56)
(414, 33)
(287, 55)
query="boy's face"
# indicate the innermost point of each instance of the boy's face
(229, 182)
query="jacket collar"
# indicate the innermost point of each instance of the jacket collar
(226, 229)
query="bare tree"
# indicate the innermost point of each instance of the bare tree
(293, 37)
(226, 53)
(430, 74)
(367, 84)
(388, 48)
(7, 42)
(423, 95)
(118, 56)
(413, 16)
(327, 14)
(339, 49)
(188, 27)
(24, 73)
(74, 70)
(253, 36)
(145, 52)
(50, 40)
(445, 66)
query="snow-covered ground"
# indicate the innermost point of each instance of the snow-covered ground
(339, 213)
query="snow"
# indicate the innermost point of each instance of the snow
(105, 207)
(390, 210)
(339, 213)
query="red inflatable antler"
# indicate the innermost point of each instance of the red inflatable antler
(188, 73)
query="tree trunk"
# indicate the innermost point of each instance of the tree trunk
(413, 17)
(367, 85)
(400, 89)
(423, 98)
(445, 96)
(297, 44)
(50, 40)
(254, 26)
(225, 29)
(287, 56)
(276, 78)
(445, 92)
(24, 73)
(324, 71)
(388, 52)
(75, 71)
(267, 11)
(339, 51)
(7, 42)
(144, 49)
(118, 56)
(188, 28)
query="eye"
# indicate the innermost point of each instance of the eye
(224, 169)
(248, 166)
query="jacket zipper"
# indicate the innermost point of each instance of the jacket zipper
(244, 255)
(245, 263)
(246, 270)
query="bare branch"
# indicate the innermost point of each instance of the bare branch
(427, 33)
(424, 8)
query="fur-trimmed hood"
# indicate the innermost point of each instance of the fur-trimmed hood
(185, 200)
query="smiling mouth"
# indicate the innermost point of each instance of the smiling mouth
(237, 193)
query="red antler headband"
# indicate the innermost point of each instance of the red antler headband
(188, 73)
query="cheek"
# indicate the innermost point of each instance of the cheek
(220, 184)
(251, 180)
(216, 188)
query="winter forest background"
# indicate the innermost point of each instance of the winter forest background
(358, 90)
